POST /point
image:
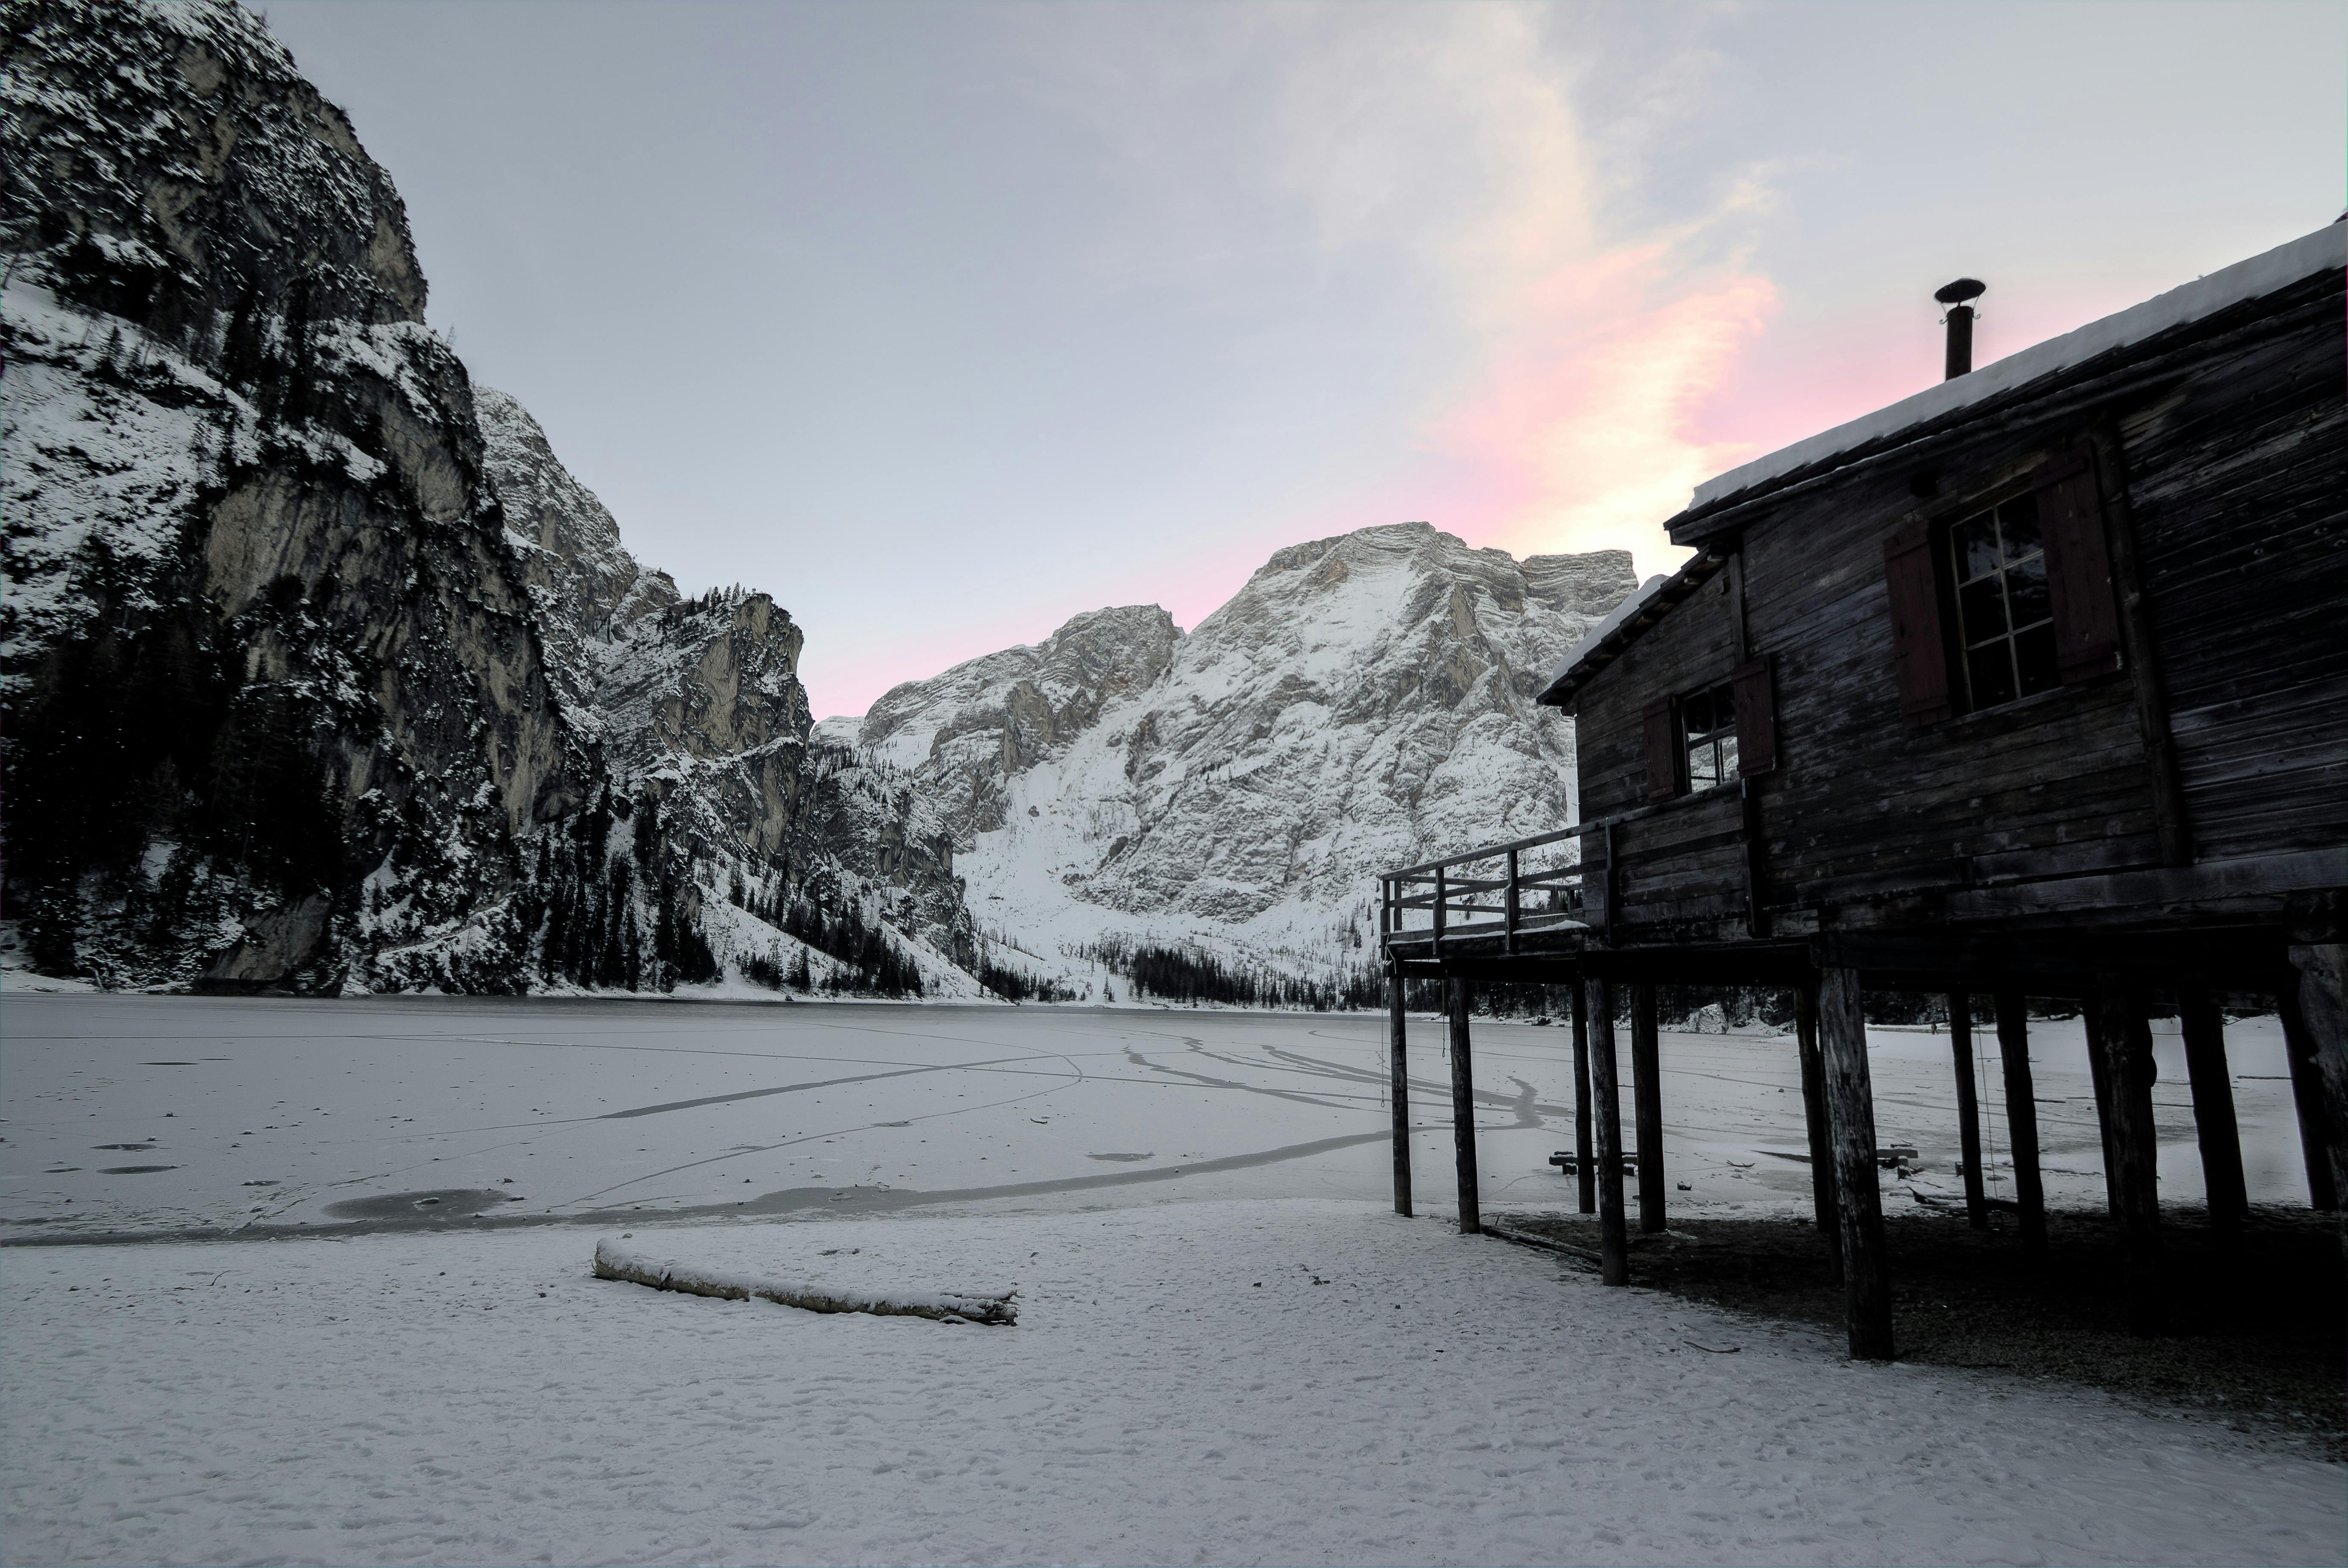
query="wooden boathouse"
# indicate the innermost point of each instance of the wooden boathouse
(2034, 684)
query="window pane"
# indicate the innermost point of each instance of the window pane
(1982, 607)
(1991, 668)
(1727, 757)
(2025, 592)
(2034, 651)
(2018, 521)
(1703, 767)
(1696, 713)
(1976, 544)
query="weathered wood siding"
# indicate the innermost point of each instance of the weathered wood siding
(2238, 487)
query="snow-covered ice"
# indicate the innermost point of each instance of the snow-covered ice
(1250, 1361)
(151, 1114)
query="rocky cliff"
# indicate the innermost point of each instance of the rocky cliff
(319, 668)
(1363, 702)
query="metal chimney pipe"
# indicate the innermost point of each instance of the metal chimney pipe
(1958, 296)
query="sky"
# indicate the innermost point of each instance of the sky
(943, 323)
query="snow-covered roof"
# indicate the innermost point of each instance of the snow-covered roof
(1639, 599)
(2261, 274)
(1644, 607)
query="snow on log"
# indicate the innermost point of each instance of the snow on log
(615, 1262)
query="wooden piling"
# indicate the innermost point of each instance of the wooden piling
(1824, 1209)
(1647, 1106)
(2323, 1013)
(1398, 1075)
(2022, 1119)
(1969, 1137)
(1606, 1097)
(2214, 1122)
(1850, 1118)
(2127, 1037)
(2315, 1135)
(1463, 1110)
(2099, 1078)
(1586, 1171)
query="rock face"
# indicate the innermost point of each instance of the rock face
(320, 669)
(1365, 701)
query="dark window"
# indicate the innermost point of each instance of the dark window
(1708, 736)
(2006, 618)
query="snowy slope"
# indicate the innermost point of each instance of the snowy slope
(1363, 701)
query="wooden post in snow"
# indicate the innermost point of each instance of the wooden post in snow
(2022, 1119)
(2126, 1038)
(1969, 1137)
(1850, 1116)
(2316, 1136)
(1647, 1106)
(2214, 1123)
(1398, 1075)
(1463, 1109)
(1606, 1094)
(2099, 1076)
(1586, 1181)
(2323, 1011)
(1825, 1211)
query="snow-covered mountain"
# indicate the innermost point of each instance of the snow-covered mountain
(1363, 702)
(319, 669)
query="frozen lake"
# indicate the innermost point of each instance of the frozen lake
(149, 1114)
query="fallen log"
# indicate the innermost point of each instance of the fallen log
(615, 1262)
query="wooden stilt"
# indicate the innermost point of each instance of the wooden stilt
(2324, 1020)
(1586, 1171)
(1463, 1110)
(1851, 1116)
(1647, 1106)
(2099, 1075)
(1824, 1209)
(2213, 1116)
(1606, 1099)
(1398, 1072)
(2022, 1119)
(1969, 1139)
(2127, 1039)
(2315, 1137)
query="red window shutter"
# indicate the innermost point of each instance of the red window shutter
(1756, 717)
(1662, 751)
(2078, 569)
(1920, 650)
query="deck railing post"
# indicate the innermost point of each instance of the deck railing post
(1510, 913)
(1441, 892)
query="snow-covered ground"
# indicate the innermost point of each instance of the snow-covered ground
(1250, 1361)
(1301, 1381)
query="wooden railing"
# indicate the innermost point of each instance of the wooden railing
(1495, 879)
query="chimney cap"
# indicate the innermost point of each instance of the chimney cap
(1961, 291)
